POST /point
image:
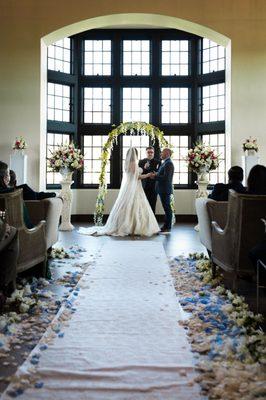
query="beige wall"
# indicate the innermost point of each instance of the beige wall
(24, 22)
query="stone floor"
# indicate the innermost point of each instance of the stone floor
(183, 240)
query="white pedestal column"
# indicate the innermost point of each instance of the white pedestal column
(202, 189)
(18, 163)
(201, 192)
(247, 163)
(66, 194)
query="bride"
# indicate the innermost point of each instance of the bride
(131, 213)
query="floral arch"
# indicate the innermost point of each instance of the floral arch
(139, 128)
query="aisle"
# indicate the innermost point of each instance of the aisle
(123, 342)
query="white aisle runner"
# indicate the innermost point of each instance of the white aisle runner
(124, 341)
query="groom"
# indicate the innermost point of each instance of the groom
(164, 187)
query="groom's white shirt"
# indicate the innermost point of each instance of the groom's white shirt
(168, 158)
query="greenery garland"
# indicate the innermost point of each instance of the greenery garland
(141, 128)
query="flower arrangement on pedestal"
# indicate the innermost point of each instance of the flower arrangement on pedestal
(250, 145)
(202, 159)
(19, 143)
(66, 159)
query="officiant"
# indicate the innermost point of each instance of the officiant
(150, 164)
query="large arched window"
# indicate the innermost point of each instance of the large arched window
(100, 78)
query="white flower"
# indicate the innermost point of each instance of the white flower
(220, 290)
(230, 295)
(3, 322)
(27, 290)
(75, 164)
(227, 308)
(23, 308)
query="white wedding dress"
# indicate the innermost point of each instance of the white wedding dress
(131, 213)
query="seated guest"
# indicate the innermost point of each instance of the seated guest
(28, 193)
(9, 255)
(221, 190)
(259, 253)
(257, 185)
(4, 178)
(5, 188)
(257, 180)
(8, 183)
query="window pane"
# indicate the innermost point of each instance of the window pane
(136, 104)
(180, 150)
(175, 55)
(53, 141)
(217, 142)
(59, 56)
(136, 57)
(97, 105)
(58, 102)
(212, 56)
(174, 105)
(97, 57)
(213, 103)
(92, 164)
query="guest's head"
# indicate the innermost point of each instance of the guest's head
(13, 179)
(4, 175)
(150, 152)
(235, 174)
(257, 180)
(166, 153)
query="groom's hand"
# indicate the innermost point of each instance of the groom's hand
(153, 175)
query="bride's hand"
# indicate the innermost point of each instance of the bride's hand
(149, 175)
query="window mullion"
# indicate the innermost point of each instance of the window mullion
(76, 103)
(194, 103)
(116, 157)
(155, 101)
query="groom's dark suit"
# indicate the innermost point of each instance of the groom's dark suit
(164, 187)
(149, 184)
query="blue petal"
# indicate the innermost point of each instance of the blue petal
(38, 385)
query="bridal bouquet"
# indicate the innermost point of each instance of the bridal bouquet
(66, 157)
(250, 144)
(19, 143)
(202, 157)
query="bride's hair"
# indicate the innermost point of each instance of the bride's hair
(134, 153)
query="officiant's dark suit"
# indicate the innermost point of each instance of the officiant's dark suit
(149, 184)
(164, 187)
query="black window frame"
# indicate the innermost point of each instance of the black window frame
(155, 81)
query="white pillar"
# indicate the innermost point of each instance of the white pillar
(202, 189)
(66, 194)
(201, 192)
(247, 163)
(18, 163)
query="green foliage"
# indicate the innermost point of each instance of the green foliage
(132, 128)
